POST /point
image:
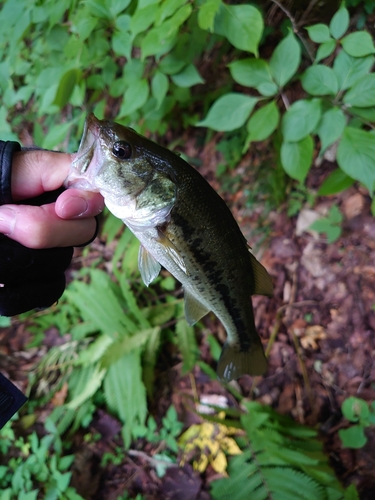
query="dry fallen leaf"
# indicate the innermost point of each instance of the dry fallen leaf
(312, 334)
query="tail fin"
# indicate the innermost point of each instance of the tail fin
(235, 362)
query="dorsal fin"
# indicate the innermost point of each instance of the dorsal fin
(262, 280)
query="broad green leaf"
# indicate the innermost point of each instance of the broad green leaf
(353, 437)
(285, 60)
(350, 69)
(242, 25)
(301, 119)
(122, 44)
(142, 19)
(135, 97)
(362, 93)
(358, 44)
(325, 50)
(336, 182)
(251, 72)
(170, 64)
(368, 114)
(159, 87)
(331, 225)
(331, 127)
(187, 344)
(229, 112)
(188, 77)
(66, 86)
(356, 156)
(166, 9)
(206, 14)
(339, 23)
(355, 409)
(262, 123)
(319, 33)
(319, 80)
(56, 135)
(296, 157)
(122, 385)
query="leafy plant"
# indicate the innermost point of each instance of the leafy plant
(280, 460)
(338, 107)
(362, 414)
(32, 466)
(331, 225)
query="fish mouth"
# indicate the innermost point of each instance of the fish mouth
(85, 156)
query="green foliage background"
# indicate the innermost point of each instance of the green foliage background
(162, 66)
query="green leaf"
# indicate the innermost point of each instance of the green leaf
(319, 80)
(66, 86)
(336, 182)
(319, 33)
(350, 69)
(325, 50)
(331, 225)
(301, 119)
(135, 97)
(122, 44)
(353, 437)
(242, 25)
(285, 60)
(330, 127)
(142, 19)
(207, 13)
(188, 77)
(159, 87)
(263, 123)
(362, 93)
(250, 72)
(355, 409)
(90, 379)
(187, 344)
(358, 44)
(229, 112)
(56, 135)
(368, 114)
(339, 23)
(296, 157)
(356, 156)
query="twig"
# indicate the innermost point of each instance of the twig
(151, 460)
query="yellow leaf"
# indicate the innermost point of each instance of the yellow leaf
(219, 463)
(230, 446)
(201, 464)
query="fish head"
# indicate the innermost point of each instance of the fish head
(114, 160)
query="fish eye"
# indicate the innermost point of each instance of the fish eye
(122, 150)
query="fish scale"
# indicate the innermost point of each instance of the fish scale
(182, 225)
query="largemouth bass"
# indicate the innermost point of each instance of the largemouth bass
(182, 225)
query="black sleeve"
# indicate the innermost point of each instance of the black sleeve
(29, 278)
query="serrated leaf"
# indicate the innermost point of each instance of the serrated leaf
(358, 44)
(362, 93)
(336, 182)
(242, 25)
(339, 23)
(229, 112)
(296, 157)
(319, 33)
(350, 69)
(301, 119)
(319, 80)
(325, 50)
(188, 77)
(92, 375)
(263, 122)
(356, 156)
(331, 127)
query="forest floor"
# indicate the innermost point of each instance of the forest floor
(321, 316)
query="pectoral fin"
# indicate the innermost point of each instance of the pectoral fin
(262, 280)
(194, 309)
(172, 251)
(149, 267)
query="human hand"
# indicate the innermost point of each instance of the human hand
(70, 221)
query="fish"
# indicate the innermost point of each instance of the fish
(184, 226)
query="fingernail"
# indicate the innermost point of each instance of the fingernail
(74, 207)
(7, 220)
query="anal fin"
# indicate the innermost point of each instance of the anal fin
(194, 309)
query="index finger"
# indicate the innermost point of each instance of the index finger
(37, 171)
